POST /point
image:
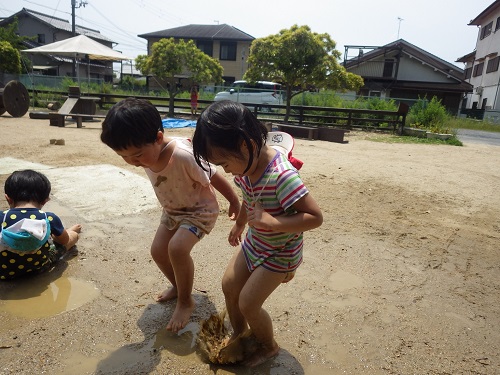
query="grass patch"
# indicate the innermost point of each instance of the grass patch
(391, 138)
(472, 124)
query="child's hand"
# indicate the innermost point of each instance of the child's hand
(259, 218)
(234, 237)
(234, 210)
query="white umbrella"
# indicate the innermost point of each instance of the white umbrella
(79, 46)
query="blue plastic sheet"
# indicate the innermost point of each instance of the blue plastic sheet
(170, 123)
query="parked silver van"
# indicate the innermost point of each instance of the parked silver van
(260, 92)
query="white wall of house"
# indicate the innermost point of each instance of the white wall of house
(486, 83)
(412, 69)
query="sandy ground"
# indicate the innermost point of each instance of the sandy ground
(402, 278)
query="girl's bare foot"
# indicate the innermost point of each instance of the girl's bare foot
(167, 295)
(181, 315)
(262, 355)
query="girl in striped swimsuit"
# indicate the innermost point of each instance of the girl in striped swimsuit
(277, 207)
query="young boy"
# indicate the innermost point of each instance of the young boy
(134, 130)
(31, 240)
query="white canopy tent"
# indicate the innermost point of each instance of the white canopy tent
(79, 47)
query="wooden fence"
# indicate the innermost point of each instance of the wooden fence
(304, 116)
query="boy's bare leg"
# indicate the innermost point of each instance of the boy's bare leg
(235, 277)
(258, 288)
(159, 252)
(73, 233)
(179, 250)
(171, 252)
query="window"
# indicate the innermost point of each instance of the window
(486, 30)
(497, 26)
(206, 46)
(468, 73)
(41, 38)
(388, 68)
(478, 69)
(228, 51)
(228, 79)
(492, 65)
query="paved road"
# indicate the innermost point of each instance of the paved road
(479, 136)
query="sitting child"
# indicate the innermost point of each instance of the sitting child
(31, 240)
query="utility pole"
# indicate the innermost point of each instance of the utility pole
(73, 25)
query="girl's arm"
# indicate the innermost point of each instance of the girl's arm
(221, 184)
(308, 216)
(234, 237)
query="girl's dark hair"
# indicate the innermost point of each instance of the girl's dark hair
(225, 125)
(27, 186)
(131, 122)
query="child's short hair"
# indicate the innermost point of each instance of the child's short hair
(27, 186)
(225, 125)
(131, 122)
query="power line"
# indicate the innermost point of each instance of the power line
(159, 11)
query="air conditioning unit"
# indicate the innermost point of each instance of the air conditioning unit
(479, 90)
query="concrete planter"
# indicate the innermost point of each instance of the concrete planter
(443, 137)
(412, 132)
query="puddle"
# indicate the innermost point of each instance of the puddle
(145, 356)
(77, 363)
(37, 300)
(182, 344)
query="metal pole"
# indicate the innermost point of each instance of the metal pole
(399, 25)
(73, 26)
(73, 31)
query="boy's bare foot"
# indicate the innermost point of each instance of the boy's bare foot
(167, 295)
(261, 355)
(181, 315)
(76, 228)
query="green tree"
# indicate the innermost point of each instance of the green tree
(11, 60)
(170, 58)
(8, 33)
(300, 59)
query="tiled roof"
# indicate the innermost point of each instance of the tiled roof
(414, 51)
(60, 24)
(490, 10)
(213, 32)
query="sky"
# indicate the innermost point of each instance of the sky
(438, 26)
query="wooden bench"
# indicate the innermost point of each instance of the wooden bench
(78, 107)
(59, 119)
(312, 131)
(325, 133)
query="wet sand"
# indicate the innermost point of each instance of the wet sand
(402, 278)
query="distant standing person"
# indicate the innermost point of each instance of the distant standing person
(31, 240)
(194, 100)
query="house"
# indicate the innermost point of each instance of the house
(229, 45)
(47, 29)
(405, 72)
(481, 66)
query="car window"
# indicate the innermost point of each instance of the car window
(255, 88)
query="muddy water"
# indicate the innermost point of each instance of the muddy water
(36, 300)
